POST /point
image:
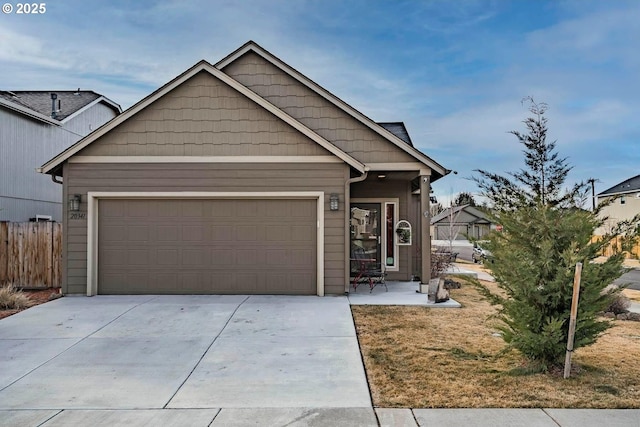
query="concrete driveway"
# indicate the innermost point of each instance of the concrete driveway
(75, 360)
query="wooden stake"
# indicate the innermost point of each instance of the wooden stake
(572, 319)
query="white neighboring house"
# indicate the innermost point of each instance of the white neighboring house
(626, 203)
(34, 127)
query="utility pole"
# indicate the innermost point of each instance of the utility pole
(593, 193)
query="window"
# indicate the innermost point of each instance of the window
(623, 200)
(390, 220)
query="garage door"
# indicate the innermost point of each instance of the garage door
(207, 246)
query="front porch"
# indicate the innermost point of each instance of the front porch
(399, 293)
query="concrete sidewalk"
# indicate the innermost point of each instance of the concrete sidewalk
(330, 417)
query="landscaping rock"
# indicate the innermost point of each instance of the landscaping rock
(634, 316)
(442, 294)
(622, 316)
(451, 284)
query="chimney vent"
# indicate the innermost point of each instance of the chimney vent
(54, 96)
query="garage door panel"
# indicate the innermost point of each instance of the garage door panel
(113, 233)
(247, 233)
(208, 246)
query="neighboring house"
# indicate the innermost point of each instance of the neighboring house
(33, 128)
(240, 178)
(460, 223)
(625, 204)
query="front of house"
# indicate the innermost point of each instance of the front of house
(241, 178)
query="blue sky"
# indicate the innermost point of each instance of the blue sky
(454, 71)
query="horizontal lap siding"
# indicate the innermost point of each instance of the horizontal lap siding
(81, 178)
(320, 115)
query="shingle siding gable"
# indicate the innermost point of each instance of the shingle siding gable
(315, 112)
(204, 117)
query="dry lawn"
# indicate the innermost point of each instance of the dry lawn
(450, 358)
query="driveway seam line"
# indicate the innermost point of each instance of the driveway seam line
(205, 352)
(73, 345)
(51, 417)
(544, 411)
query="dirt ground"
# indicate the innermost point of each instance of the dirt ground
(39, 296)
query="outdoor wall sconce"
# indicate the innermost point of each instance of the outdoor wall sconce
(333, 202)
(74, 203)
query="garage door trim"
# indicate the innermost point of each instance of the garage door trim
(94, 197)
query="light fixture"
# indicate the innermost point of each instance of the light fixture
(74, 203)
(333, 202)
(382, 176)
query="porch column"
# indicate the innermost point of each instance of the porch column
(425, 224)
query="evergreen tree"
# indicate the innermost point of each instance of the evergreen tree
(545, 233)
(464, 198)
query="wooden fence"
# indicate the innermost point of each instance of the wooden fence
(615, 247)
(31, 254)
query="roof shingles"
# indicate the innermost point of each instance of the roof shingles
(630, 185)
(40, 101)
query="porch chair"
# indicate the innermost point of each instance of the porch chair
(367, 270)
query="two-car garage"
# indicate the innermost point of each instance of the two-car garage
(205, 245)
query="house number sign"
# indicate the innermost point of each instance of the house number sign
(78, 215)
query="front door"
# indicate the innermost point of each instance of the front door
(365, 230)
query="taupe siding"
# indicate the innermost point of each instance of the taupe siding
(329, 178)
(204, 117)
(320, 115)
(374, 188)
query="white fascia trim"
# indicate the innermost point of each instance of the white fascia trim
(225, 79)
(99, 100)
(204, 159)
(93, 198)
(28, 112)
(335, 101)
(400, 166)
(616, 194)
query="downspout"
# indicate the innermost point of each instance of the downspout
(347, 225)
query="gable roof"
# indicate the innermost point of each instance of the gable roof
(438, 171)
(54, 165)
(481, 216)
(37, 104)
(628, 186)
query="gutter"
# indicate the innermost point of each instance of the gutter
(347, 217)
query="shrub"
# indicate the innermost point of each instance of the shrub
(619, 304)
(13, 299)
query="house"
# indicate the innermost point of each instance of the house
(460, 223)
(34, 127)
(624, 204)
(242, 177)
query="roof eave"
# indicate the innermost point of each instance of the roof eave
(102, 99)
(28, 112)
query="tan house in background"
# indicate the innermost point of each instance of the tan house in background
(625, 204)
(243, 177)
